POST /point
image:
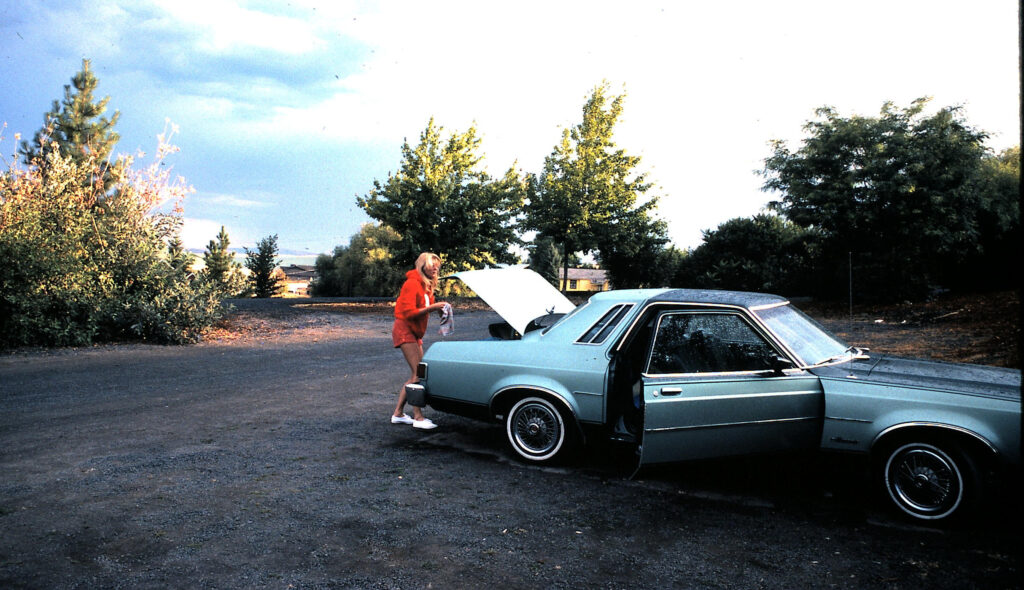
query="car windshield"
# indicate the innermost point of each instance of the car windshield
(811, 342)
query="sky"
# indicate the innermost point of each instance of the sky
(287, 111)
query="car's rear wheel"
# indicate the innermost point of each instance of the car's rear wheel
(535, 429)
(929, 480)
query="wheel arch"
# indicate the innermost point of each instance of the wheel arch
(975, 444)
(503, 400)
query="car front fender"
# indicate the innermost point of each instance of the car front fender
(860, 418)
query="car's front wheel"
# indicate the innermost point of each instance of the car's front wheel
(929, 481)
(536, 430)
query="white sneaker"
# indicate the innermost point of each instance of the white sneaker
(424, 424)
(403, 419)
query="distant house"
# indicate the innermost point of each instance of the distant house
(297, 278)
(585, 280)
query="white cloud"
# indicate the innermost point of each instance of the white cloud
(197, 233)
(227, 26)
(233, 201)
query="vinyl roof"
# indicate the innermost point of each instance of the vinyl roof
(703, 296)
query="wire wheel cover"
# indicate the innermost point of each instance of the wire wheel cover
(924, 480)
(537, 429)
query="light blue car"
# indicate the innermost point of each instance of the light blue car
(691, 374)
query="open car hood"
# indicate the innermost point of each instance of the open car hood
(517, 294)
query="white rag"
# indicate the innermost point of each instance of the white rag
(447, 320)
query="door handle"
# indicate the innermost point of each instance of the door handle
(671, 390)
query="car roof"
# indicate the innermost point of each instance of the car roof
(743, 299)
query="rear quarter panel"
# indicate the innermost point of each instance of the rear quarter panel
(475, 371)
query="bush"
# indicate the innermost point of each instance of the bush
(80, 263)
(364, 268)
(761, 253)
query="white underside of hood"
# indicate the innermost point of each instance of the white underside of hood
(516, 293)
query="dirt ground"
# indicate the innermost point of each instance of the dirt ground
(263, 458)
(980, 329)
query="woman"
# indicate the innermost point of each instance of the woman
(411, 313)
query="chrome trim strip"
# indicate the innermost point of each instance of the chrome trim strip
(959, 429)
(746, 395)
(769, 306)
(794, 372)
(727, 424)
(859, 420)
(560, 398)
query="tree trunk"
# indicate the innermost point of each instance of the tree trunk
(565, 269)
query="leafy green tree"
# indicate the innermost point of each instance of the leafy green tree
(898, 191)
(632, 248)
(998, 227)
(221, 268)
(672, 264)
(442, 201)
(79, 129)
(364, 268)
(262, 262)
(761, 253)
(587, 196)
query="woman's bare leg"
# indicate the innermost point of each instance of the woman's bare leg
(413, 353)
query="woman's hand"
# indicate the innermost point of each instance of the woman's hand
(432, 307)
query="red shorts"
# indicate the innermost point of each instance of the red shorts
(401, 333)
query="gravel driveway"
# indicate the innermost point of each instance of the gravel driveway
(270, 463)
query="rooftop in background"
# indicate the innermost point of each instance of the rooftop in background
(586, 280)
(299, 272)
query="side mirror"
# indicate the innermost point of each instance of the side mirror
(780, 364)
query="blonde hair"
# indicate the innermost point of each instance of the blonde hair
(421, 261)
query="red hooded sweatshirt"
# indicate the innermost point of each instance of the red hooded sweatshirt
(413, 297)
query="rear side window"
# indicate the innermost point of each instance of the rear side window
(599, 332)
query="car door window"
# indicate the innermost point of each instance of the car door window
(687, 343)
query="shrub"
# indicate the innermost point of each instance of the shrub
(81, 263)
(364, 268)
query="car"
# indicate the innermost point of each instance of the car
(684, 374)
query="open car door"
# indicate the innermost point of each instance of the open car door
(714, 386)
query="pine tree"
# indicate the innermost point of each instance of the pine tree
(79, 129)
(261, 264)
(221, 268)
(179, 258)
(545, 259)
(217, 256)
